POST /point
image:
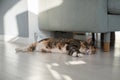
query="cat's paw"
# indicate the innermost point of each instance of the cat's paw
(88, 52)
(80, 55)
(74, 54)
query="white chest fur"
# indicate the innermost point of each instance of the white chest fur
(57, 50)
(41, 46)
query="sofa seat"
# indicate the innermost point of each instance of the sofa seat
(97, 16)
(114, 7)
(114, 23)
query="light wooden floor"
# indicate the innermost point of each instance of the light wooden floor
(38, 66)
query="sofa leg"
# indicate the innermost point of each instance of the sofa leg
(106, 46)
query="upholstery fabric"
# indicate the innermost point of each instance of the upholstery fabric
(114, 7)
(75, 15)
(114, 23)
(81, 16)
(97, 16)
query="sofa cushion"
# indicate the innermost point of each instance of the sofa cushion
(114, 6)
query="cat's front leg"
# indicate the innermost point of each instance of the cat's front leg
(74, 52)
(80, 55)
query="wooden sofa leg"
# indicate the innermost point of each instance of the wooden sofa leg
(106, 46)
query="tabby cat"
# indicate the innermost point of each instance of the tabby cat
(73, 47)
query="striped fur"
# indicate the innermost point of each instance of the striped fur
(72, 47)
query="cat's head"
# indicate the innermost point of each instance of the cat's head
(87, 47)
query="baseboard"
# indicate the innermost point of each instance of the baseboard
(13, 39)
(1, 38)
(20, 40)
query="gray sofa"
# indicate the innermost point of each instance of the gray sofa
(99, 16)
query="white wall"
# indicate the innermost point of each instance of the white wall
(13, 19)
(33, 12)
(19, 18)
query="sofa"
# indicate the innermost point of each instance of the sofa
(97, 16)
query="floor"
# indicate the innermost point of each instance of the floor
(38, 66)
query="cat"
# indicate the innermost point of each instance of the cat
(72, 47)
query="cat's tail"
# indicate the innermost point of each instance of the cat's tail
(30, 48)
(21, 49)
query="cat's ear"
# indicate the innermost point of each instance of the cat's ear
(89, 40)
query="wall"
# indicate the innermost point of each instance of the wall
(13, 19)
(19, 18)
(33, 15)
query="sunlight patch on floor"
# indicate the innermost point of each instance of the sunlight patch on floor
(66, 77)
(54, 73)
(75, 62)
(55, 64)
